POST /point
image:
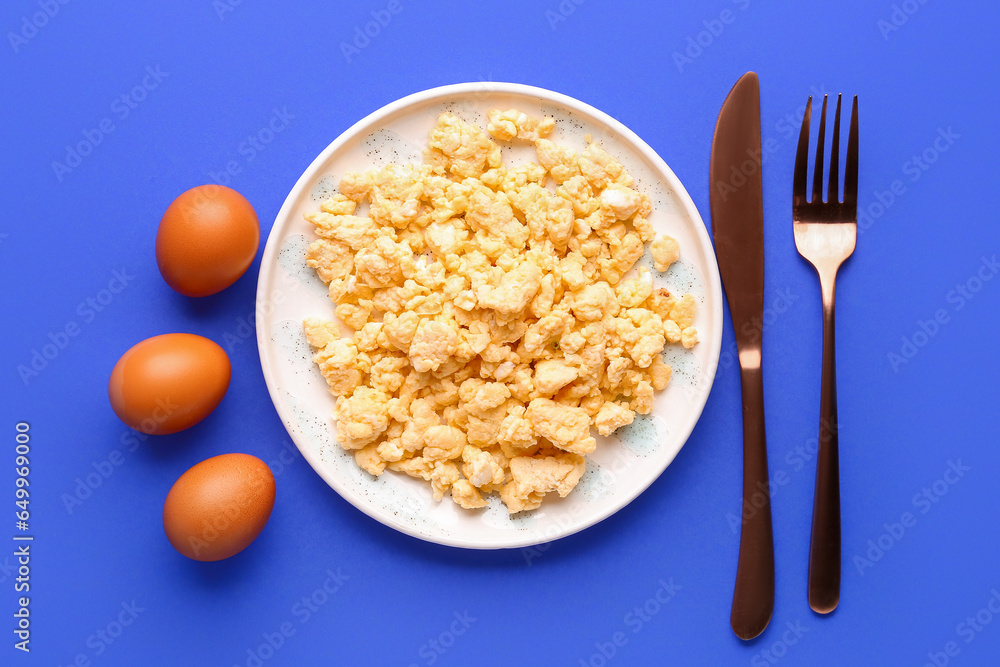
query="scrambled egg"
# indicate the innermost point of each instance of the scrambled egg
(491, 324)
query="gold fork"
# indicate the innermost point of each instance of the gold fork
(825, 234)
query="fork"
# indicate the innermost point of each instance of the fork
(825, 235)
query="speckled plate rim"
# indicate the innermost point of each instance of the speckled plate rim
(269, 262)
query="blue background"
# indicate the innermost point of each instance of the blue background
(902, 422)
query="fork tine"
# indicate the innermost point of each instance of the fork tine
(833, 194)
(817, 197)
(851, 166)
(802, 160)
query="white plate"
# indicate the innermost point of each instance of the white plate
(287, 291)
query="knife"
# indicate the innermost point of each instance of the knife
(738, 232)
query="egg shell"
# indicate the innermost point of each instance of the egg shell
(219, 506)
(207, 239)
(168, 383)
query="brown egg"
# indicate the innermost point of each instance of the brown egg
(219, 506)
(206, 240)
(169, 383)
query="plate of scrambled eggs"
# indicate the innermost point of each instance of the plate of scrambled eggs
(489, 315)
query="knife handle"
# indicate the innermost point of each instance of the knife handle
(824, 545)
(753, 597)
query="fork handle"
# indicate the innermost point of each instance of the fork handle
(824, 547)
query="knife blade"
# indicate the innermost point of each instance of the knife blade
(738, 232)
